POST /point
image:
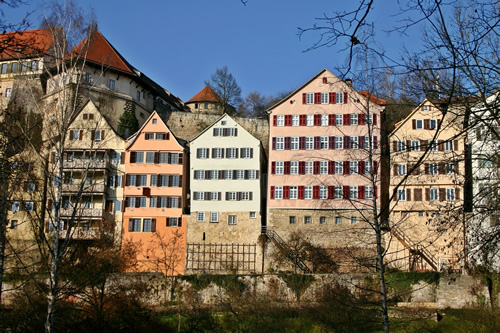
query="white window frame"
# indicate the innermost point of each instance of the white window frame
(401, 169)
(214, 217)
(323, 192)
(280, 120)
(415, 145)
(295, 120)
(353, 192)
(309, 167)
(294, 167)
(433, 194)
(308, 192)
(280, 143)
(217, 153)
(354, 119)
(324, 98)
(293, 193)
(309, 142)
(450, 194)
(419, 124)
(339, 142)
(323, 167)
(309, 98)
(401, 145)
(279, 167)
(339, 98)
(310, 120)
(324, 119)
(448, 145)
(354, 142)
(339, 167)
(324, 143)
(294, 143)
(337, 192)
(402, 194)
(433, 168)
(231, 219)
(353, 167)
(339, 119)
(278, 192)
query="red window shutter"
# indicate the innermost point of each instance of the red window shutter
(273, 167)
(316, 192)
(304, 100)
(331, 142)
(457, 193)
(301, 192)
(394, 145)
(133, 156)
(331, 192)
(361, 142)
(374, 119)
(286, 192)
(103, 132)
(361, 192)
(324, 80)
(53, 157)
(85, 116)
(375, 142)
(288, 120)
(375, 167)
(286, 168)
(331, 167)
(442, 194)
(71, 134)
(272, 192)
(317, 120)
(408, 194)
(346, 167)
(361, 166)
(316, 167)
(345, 98)
(153, 225)
(440, 145)
(92, 135)
(317, 98)
(361, 119)
(180, 159)
(302, 167)
(427, 124)
(347, 142)
(302, 142)
(81, 135)
(331, 98)
(455, 145)
(331, 120)
(302, 120)
(427, 194)
(274, 143)
(275, 121)
(317, 142)
(413, 123)
(287, 143)
(347, 119)
(345, 192)
(130, 225)
(375, 192)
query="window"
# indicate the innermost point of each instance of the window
(339, 142)
(291, 219)
(231, 220)
(240, 174)
(339, 168)
(231, 196)
(13, 224)
(338, 220)
(205, 106)
(295, 120)
(155, 121)
(337, 194)
(432, 145)
(294, 167)
(402, 194)
(324, 142)
(353, 142)
(278, 192)
(146, 225)
(138, 95)
(354, 220)
(217, 153)
(228, 174)
(76, 135)
(198, 174)
(324, 120)
(134, 225)
(252, 174)
(280, 143)
(294, 143)
(141, 180)
(323, 192)
(279, 167)
(30, 187)
(199, 195)
(307, 220)
(354, 119)
(150, 157)
(433, 168)
(450, 168)
(401, 169)
(4, 68)
(214, 174)
(415, 145)
(202, 153)
(8, 92)
(139, 157)
(368, 167)
(14, 67)
(309, 166)
(339, 119)
(214, 217)
(323, 167)
(419, 124)
(420, 214)
(484, 162)
(368, 192)
(427, 107)
(324, 100)
(24, 66)
(15, 206)
(163, 157)
(231, 153)
(172, 221)
(322, 220)
(214, 196)
(353, 192)
(353, 167)
(280, 120)
(450, 194)
(246, 152)
(433, 194)
(309, 142)
(401, 146)
(253, 215)
(111, 85)
(309, 98)
(339, 98)
(293, 192)
(432, 124)
(448, 146)
(308, 192)
(29, 206)
(309, 120)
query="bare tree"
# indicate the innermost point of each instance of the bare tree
(225, 86)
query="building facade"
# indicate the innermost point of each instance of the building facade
(324, 167)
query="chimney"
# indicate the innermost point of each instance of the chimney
(348, 82)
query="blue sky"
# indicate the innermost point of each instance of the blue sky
(179, 44)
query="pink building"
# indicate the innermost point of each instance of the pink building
(324, 164)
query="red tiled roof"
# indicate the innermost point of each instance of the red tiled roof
(99, 50)
(374, 99)
(25, 44)
(205, 95)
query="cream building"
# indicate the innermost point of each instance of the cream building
(226, 199)
(427, 190)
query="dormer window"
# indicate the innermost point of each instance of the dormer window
(155, 120)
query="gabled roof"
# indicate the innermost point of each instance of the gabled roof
(225, 115)
(133, 137)
(25, 44)
(100, 51)
(206, 94)
(376, 100)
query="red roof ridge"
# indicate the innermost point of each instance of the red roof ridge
(206, 94)
(25, 43)
(372, 98)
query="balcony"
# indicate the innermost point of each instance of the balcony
(90, 188)
(85, 164)
(83, 212)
